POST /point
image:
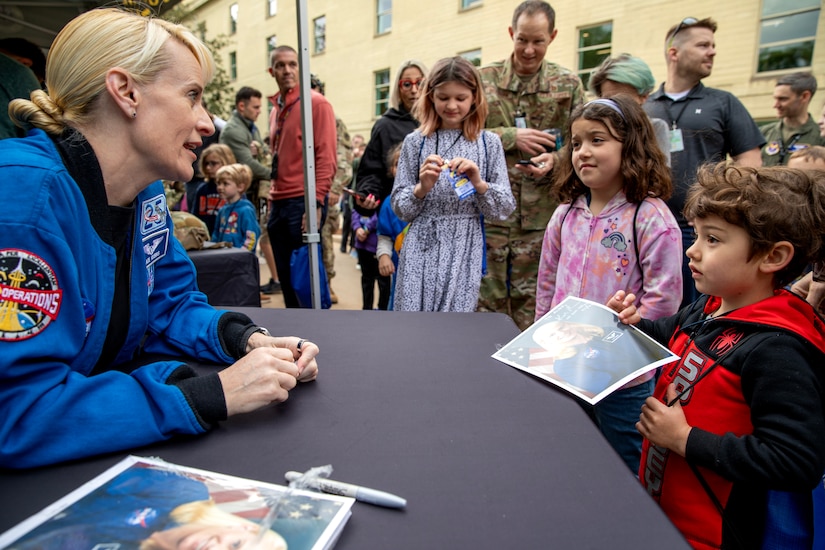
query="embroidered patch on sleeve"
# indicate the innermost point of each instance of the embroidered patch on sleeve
(153, 215)
(29, 295)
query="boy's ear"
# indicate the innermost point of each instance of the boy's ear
(777, 258)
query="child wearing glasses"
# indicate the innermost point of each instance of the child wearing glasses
(450, 172)
(733, 433)
(207, 199)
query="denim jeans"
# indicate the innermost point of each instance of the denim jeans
(284, 228)
(616, 416)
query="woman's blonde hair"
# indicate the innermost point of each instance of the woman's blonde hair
(219, 150)
(83, 52)
(395, 94)
(205, 512)
(240, 174)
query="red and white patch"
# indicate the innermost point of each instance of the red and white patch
(29, 295)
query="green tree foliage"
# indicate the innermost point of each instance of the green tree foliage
(219, 93)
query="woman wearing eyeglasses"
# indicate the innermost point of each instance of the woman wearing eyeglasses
(374, 182)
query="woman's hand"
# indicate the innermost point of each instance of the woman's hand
(263, 376)
(301, 351)
(361, 234)
(368, 203)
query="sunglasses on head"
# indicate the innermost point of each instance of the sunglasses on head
(685, 23)
(409, 83)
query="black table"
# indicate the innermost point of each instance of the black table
(486, 455)
(228, 276)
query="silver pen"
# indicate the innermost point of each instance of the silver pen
(363, 494)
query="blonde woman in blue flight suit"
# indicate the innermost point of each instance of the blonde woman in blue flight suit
(92, 281)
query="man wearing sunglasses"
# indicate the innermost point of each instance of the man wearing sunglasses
(706, 124)
(528, 98)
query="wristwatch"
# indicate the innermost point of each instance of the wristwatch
(263, 331)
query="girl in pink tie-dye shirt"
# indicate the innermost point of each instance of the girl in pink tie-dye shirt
(613, 231)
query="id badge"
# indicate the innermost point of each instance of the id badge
(520, 120)
(461, 185)
(676, 142)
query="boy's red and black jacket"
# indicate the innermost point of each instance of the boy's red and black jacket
(754, 393)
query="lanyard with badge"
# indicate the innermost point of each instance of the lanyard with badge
(677, 141)
(779, 146)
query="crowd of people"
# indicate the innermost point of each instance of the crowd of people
(499, 189)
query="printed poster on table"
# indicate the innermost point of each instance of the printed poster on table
(582, 347)
(146, 503)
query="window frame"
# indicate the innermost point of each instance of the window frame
(234, 12)
(381, 101)
(385, 15)
(316, 36)
(814, 8)
(581, 51)
(464, 5)
(473, 56)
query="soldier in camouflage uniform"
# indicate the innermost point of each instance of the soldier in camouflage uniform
(526, 95)
(343, 175)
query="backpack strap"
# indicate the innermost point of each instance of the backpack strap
(481, 215)
(636, 244)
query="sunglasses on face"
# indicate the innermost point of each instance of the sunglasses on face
(408, 83)
(685, 23)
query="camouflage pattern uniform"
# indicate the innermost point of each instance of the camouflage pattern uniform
(514, 245)
(343, 175)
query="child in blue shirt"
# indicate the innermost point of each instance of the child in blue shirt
(237, 221)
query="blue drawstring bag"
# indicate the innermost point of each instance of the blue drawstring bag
(300, 278)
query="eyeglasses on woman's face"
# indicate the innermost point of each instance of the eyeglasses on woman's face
(213, 163)
(408, 83)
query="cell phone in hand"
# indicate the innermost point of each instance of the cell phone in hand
(354, 193)
(527, 162)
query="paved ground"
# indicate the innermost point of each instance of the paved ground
(346, 283)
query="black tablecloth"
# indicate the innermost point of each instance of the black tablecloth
(411, 403)
(228, 276)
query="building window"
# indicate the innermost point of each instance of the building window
(233, 18)
(473, 56)
(272, 7)
(384, 16)
(271, 44)
(320, 25)
(382, 92)
(787, 34)
(594, 47)
(233, 66)
(466, 4)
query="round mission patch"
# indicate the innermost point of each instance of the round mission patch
(29, 295)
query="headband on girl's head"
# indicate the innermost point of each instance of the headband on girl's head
(609, 102)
